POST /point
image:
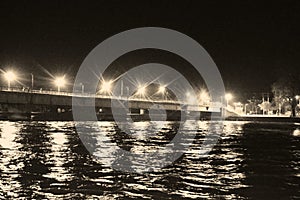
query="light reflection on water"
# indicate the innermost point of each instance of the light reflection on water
(40, 160)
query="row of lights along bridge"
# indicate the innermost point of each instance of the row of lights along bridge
(106, 86)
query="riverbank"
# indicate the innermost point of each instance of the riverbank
(263, 118)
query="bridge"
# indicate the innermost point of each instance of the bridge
(21, 104)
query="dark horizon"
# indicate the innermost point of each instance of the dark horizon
(253, 44)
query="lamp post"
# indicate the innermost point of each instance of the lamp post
(228, 97)
(60, 82)
(141, 91)
(10, 76)
(122, 85)
(162, 90)
(106, 87)
(246, 108)
(127, 88)
(297, 97)
(32, 81)
(82, 88)
(204, 97)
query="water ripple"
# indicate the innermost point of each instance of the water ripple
(47, 160)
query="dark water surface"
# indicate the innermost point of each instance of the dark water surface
(46, 160)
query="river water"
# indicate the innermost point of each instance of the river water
(47, 160)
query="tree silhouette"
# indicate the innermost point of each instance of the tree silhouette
(285, 90)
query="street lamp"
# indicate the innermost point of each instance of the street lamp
(60, 82)
(228, 97)
(141, 90)
(204, 97)
(187, 94)
(297, 97)
(191, 98)
(106, 86)
(10, 76)
(82, 87)
(162, 89)
(32, 80)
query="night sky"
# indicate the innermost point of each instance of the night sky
(252, 43)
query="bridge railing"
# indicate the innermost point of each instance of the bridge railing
(80, 94)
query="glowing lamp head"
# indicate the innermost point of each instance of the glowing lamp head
(297, 97)
(162, 89)
(60, 81)
(141, 90)
(106, 86)
(228, 96)
(10, 76)
(204, 95)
